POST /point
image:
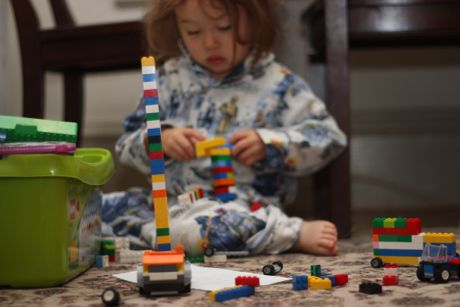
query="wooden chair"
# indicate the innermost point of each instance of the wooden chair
(335, 26)
(73, 51)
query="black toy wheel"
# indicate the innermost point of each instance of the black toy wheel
(209, 251)
(278, 263)
(268, 269)
(441, 275)
(377, 263)
(110, 297)
(421, 274)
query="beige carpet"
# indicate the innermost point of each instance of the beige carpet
(353, 260)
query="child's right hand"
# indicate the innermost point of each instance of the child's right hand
(179, 143)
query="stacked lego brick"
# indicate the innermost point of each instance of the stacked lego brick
(397, 240)
(390, 275)
(222, 166)
(157, 169)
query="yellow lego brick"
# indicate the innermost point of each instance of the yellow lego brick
(389, 222)
(202, 147)
(158, 178)
(148, 61)
(161, 212)
(438, 237)
(315, 282)
(400, 260)
(164, 239)
(219, 152)
(212, 296)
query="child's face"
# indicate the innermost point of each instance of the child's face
(208, 34)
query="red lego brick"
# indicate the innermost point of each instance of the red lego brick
(390, 280)
(341, 279)
(252, 281)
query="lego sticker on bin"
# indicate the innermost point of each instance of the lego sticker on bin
(90, 229)
(74, 209)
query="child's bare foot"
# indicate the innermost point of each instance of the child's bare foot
(318, 238)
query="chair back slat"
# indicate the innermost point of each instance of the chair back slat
(61, 13)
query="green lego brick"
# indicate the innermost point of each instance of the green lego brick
(315, 270)
(162, 232)
(400, 222)
(152, 116)
(389, 222)
(155, 147)
(378, 222)
(23, 129)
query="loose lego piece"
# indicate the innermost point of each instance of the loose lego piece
(108, 248)
(272, 269)
(315, 270)
(111, 297)
(215, 258)
(252, 281)
(299, 282)
(370, 287)
(226, 294)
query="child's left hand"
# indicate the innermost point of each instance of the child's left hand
(248, 147)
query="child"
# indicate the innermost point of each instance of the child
(219, 78)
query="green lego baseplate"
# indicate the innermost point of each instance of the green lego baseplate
(23, 129)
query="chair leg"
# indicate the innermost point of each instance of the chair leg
(333, 183)
(332, 197)
(73, 97)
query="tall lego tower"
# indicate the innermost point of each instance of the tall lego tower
(163, 271)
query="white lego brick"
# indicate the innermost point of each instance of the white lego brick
(163, 276)
(398, 245)
(153, 124)
(215, 258)
(151, 85)
(148, 70)
(159, 185)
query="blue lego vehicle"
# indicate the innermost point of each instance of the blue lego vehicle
(437, 265)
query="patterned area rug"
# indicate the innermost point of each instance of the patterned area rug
(354, 260)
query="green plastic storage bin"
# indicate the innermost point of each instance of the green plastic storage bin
(50, 215)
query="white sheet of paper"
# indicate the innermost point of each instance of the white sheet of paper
(209, 279)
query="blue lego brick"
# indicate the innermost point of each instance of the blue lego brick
(398, 252)
(151, 100)
(157, 166)
(237, 292)
(221, 163)
(222, 176)
(428, 270)
(148, 77)
(299, 282)
(163, 247)
(226, 196)
(154, 131)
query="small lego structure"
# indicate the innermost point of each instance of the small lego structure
(368, 287)
(437, 264)
(226, 294)
(252, 281)
(111, 297)
(272, 269)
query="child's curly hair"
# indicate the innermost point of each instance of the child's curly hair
(163, 34)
